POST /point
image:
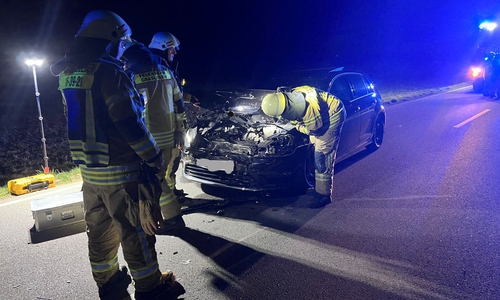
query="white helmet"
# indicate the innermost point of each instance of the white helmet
(163, 41)
(104, 24)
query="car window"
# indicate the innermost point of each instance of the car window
(358, 84)
(341, 88)
(369, 85)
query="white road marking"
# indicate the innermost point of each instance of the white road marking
(472, 118)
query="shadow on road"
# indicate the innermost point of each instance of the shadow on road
(297, 279)
(36, 237)
(232, 257)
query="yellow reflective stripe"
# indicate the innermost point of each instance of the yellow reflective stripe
(143, 147)
(78, 155)
(312, 120)
(95, 146)
(151, 264)
(151, 76)
(104, 266)
(165, 198)
(164, 139)
(89, 153)
(325, 177)
(147, 271)
(334, 120)
(75, 144)
(93, 159)
(111, 175)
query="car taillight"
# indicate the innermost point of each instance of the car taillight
(476, 71)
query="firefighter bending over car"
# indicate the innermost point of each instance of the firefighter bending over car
(111, 144)
(164, 117)
(319, 115)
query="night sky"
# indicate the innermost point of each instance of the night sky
(230, 43)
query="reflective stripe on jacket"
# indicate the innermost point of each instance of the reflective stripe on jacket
(324, 113)
(106, 133)
(161, 94)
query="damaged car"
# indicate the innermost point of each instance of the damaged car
(235, 145)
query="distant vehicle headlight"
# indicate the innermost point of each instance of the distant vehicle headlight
(476, 71)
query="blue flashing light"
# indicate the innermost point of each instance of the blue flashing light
(490, 26)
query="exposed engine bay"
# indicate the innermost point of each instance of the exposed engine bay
(237, 128)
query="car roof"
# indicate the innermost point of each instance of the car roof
(317, 77)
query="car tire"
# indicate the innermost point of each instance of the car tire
(378, 134)
(309, 169)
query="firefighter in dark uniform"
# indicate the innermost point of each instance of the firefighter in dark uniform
(110, 142)
(319, 115)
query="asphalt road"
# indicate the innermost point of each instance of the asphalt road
(417, 219)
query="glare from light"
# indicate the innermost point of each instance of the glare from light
(476, 71)
(34, 61)
(190, 136)
(490, 26)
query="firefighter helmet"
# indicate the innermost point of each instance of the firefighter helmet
(273, 104)
(104, 24)
(129, 42)
(163, 41)
(290, 106)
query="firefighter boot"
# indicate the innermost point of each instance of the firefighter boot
(172, 226)
(116, 287)
(179, 193)
(167, 289)
(319, 200)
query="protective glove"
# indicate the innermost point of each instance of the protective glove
(157, 166)
(301, 128)
(179, 139)
(150, 217)
(294, 122)
(149, 197)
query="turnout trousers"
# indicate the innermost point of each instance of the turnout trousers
(169, 203)
(324, 158)
(110, 212)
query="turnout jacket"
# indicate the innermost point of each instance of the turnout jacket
(324, 114)
(164, 106)
(107, 136)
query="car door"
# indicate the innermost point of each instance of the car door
(365, 100)
(341, 88)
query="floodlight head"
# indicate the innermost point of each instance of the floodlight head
(33, 61)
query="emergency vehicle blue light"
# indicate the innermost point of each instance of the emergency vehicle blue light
(490, 26)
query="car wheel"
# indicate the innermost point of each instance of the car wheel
(309, 169)
(304, 177)
(378, 134)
